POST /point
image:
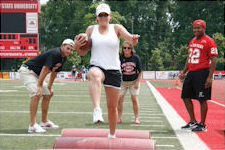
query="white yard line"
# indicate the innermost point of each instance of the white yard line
(7, 91)
(145, 125)
(146, 117)
(67, 112)
(157, 131)
(32, 134)
(149, 121)
(152, 114)
(164, 137)
(147, 111)
(189, 140)
(164, 145)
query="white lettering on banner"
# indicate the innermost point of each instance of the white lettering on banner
(14, 47)
(2, 47)
(30, 47)
(18, 6)
(7, 6)
(18, 54)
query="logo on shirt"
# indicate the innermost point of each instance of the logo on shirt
(56, 67)
(201, 94)
(128, 68)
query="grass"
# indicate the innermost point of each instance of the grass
(73, 96)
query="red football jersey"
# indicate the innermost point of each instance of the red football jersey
(200, 51)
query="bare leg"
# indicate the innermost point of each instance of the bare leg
(204, 110)
(33, 109)
(45, 106)
(112, 95)
(135, 105)
(190, 108)
(120, 106)
(96, 77)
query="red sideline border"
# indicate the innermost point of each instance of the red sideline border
(215, 136)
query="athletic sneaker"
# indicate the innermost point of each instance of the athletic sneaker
(36, 128)
(97, 115)
(190, 125)
(48, 125)
(137, 121)
(200, 127)
(110, 136)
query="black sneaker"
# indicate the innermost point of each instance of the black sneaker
(200, 127)
(190, 125)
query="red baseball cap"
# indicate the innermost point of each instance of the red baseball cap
(200, 22)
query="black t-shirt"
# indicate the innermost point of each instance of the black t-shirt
(131, 67)
(51, 58)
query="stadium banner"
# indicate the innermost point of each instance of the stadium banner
(20, 6)
(148, 75)
(167, 74)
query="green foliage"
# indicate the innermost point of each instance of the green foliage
(181, 57)
(220, 41)
(156, 62)
(162, 25)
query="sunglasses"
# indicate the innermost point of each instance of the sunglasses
(127, 47)
(103, 15)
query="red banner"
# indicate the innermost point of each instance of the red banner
(19, 6)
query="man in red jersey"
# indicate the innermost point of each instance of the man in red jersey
(199, 67)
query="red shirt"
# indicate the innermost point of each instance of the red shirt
(200, 51)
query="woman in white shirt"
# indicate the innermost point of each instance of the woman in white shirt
(105, 62)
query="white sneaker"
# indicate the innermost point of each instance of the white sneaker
(48, 125)
(36, 128)
(97, 115)
(110, 136)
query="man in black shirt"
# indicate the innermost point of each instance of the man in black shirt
(131, 70)
(33, 74)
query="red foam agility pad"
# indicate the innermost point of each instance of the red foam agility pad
(102, 143)
(120, 133)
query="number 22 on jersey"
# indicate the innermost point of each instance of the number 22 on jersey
(194, 56)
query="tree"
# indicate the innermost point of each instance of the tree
(220, 41)
(156, 62)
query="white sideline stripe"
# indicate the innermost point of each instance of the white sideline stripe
(2, 134)
(188, 139)
(212, 101)
(164, 145)
(143, 125)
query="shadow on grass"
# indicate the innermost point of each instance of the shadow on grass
(14, 131)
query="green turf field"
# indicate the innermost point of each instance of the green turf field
(71, 108)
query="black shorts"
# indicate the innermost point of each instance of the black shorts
(194, 85)
(113, 78)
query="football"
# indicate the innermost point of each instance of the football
(88, 41)
(87, 45)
